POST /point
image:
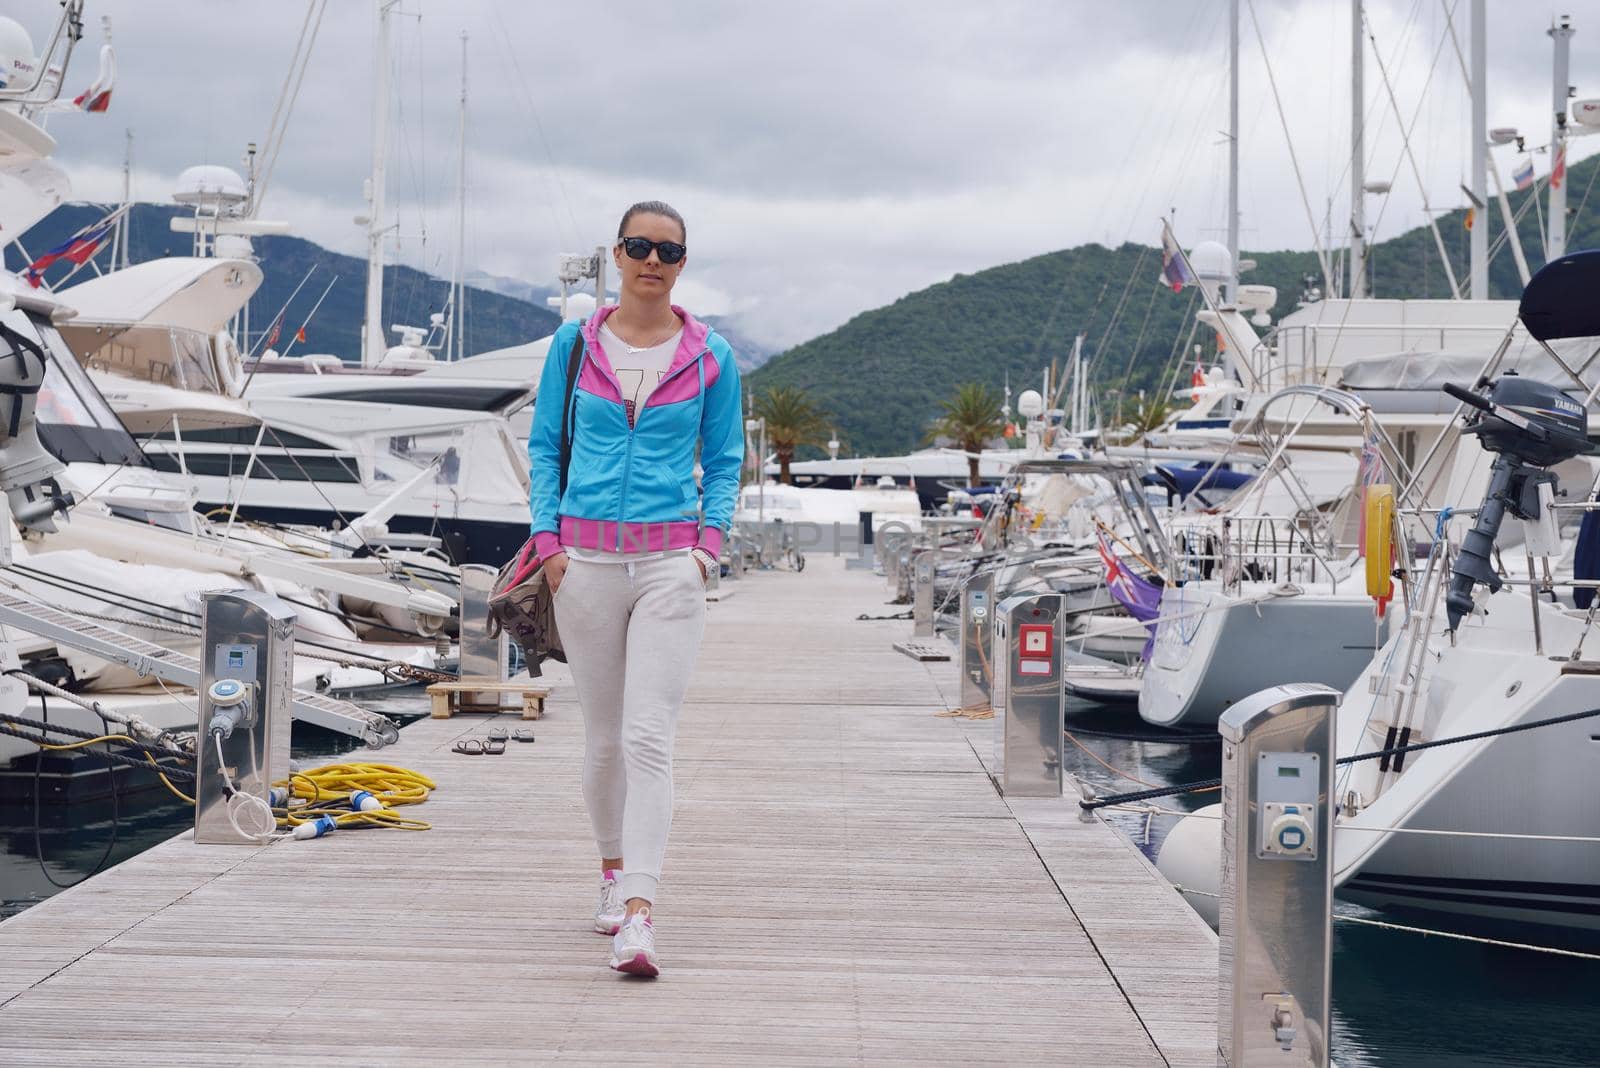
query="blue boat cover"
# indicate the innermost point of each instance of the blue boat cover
(1563, 299)
(1586, 558)
(1188, 480)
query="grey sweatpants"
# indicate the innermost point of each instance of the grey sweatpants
(631, 634)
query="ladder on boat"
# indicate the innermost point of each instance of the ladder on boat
(147, 659)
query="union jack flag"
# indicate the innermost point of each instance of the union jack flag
(1140, 597)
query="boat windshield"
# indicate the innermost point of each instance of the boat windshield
(75, 423)
(165, 355)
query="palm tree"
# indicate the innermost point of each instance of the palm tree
(792, 421)
(971, 419)
(1149, 415)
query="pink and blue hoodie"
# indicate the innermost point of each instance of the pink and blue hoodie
(631, 485)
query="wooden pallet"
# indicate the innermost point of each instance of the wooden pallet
(463, 696)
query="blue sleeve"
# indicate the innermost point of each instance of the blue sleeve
(544, 439)
(721, 449)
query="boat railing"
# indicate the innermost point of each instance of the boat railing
(1251, 548)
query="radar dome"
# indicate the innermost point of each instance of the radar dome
(580, 305)
(1211, 261)
(233, 247)
(18, 64)
(1030, 405)
(210, 185)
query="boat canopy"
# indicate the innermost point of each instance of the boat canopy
(1560, 301)
(187, 292)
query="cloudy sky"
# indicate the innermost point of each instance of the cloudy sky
(830, 155)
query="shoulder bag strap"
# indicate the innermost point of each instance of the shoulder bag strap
(574, 363)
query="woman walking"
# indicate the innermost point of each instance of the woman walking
(628, 541)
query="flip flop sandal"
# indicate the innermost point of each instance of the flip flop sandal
(494, 746)
(469, 747)
(522, 734)
(497, 734)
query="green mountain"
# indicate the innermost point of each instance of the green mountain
(493, 320)
(882, 375)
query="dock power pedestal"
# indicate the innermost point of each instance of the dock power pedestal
(977, 631)
(246, 682)
(1275, 936)
(1028, 695)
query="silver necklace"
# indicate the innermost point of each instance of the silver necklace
(643, 348)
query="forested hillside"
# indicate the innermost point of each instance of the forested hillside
(409, 296)
(881, 376)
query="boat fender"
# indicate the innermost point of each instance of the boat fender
(1191, 859)
(1379, 516)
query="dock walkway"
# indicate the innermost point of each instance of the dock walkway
(844, 885)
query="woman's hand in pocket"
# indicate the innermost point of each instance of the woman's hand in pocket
(555, 571)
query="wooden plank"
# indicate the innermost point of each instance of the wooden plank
(843, 885)
(465, 695)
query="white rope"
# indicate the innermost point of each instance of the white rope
(1180, 888)
(186, 631)
(135, 725)
(1146, 810)
(149, 624)
(1464, 937)
(1311, 216)
(1405, 141)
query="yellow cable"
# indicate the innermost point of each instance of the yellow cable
(122, 738)
(326, 791)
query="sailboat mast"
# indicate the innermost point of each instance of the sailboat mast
(119, 240)
(458, 337)
(1556, 241)
(372, 332)
(1232, 296)
(1479, 284)
(1358, 157)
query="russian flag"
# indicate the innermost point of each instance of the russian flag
(1523, 175)
(75, 249)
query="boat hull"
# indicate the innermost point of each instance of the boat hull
(1210, 653)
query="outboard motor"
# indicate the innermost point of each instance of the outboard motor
(27, 470)
(1531, 427)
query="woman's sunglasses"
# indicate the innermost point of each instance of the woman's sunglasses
(638, 248)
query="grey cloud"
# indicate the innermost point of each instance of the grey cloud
(829, 154)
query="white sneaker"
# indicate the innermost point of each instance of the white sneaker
(609, 915)
(633, 947)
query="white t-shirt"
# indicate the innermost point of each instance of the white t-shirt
(638, 371)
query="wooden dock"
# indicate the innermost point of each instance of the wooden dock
(844, 885)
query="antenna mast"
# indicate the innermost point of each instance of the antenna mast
(456, 349)
(1233, 153)
(1479, 276)
(1556, 242)
(1358, 158)
(372, 333)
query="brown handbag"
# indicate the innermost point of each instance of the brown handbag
(521, 603)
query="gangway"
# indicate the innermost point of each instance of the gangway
(147, 659)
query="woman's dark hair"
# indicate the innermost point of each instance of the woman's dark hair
(653, 207)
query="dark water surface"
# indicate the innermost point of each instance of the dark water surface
(1400, 1000)
(73, 837)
